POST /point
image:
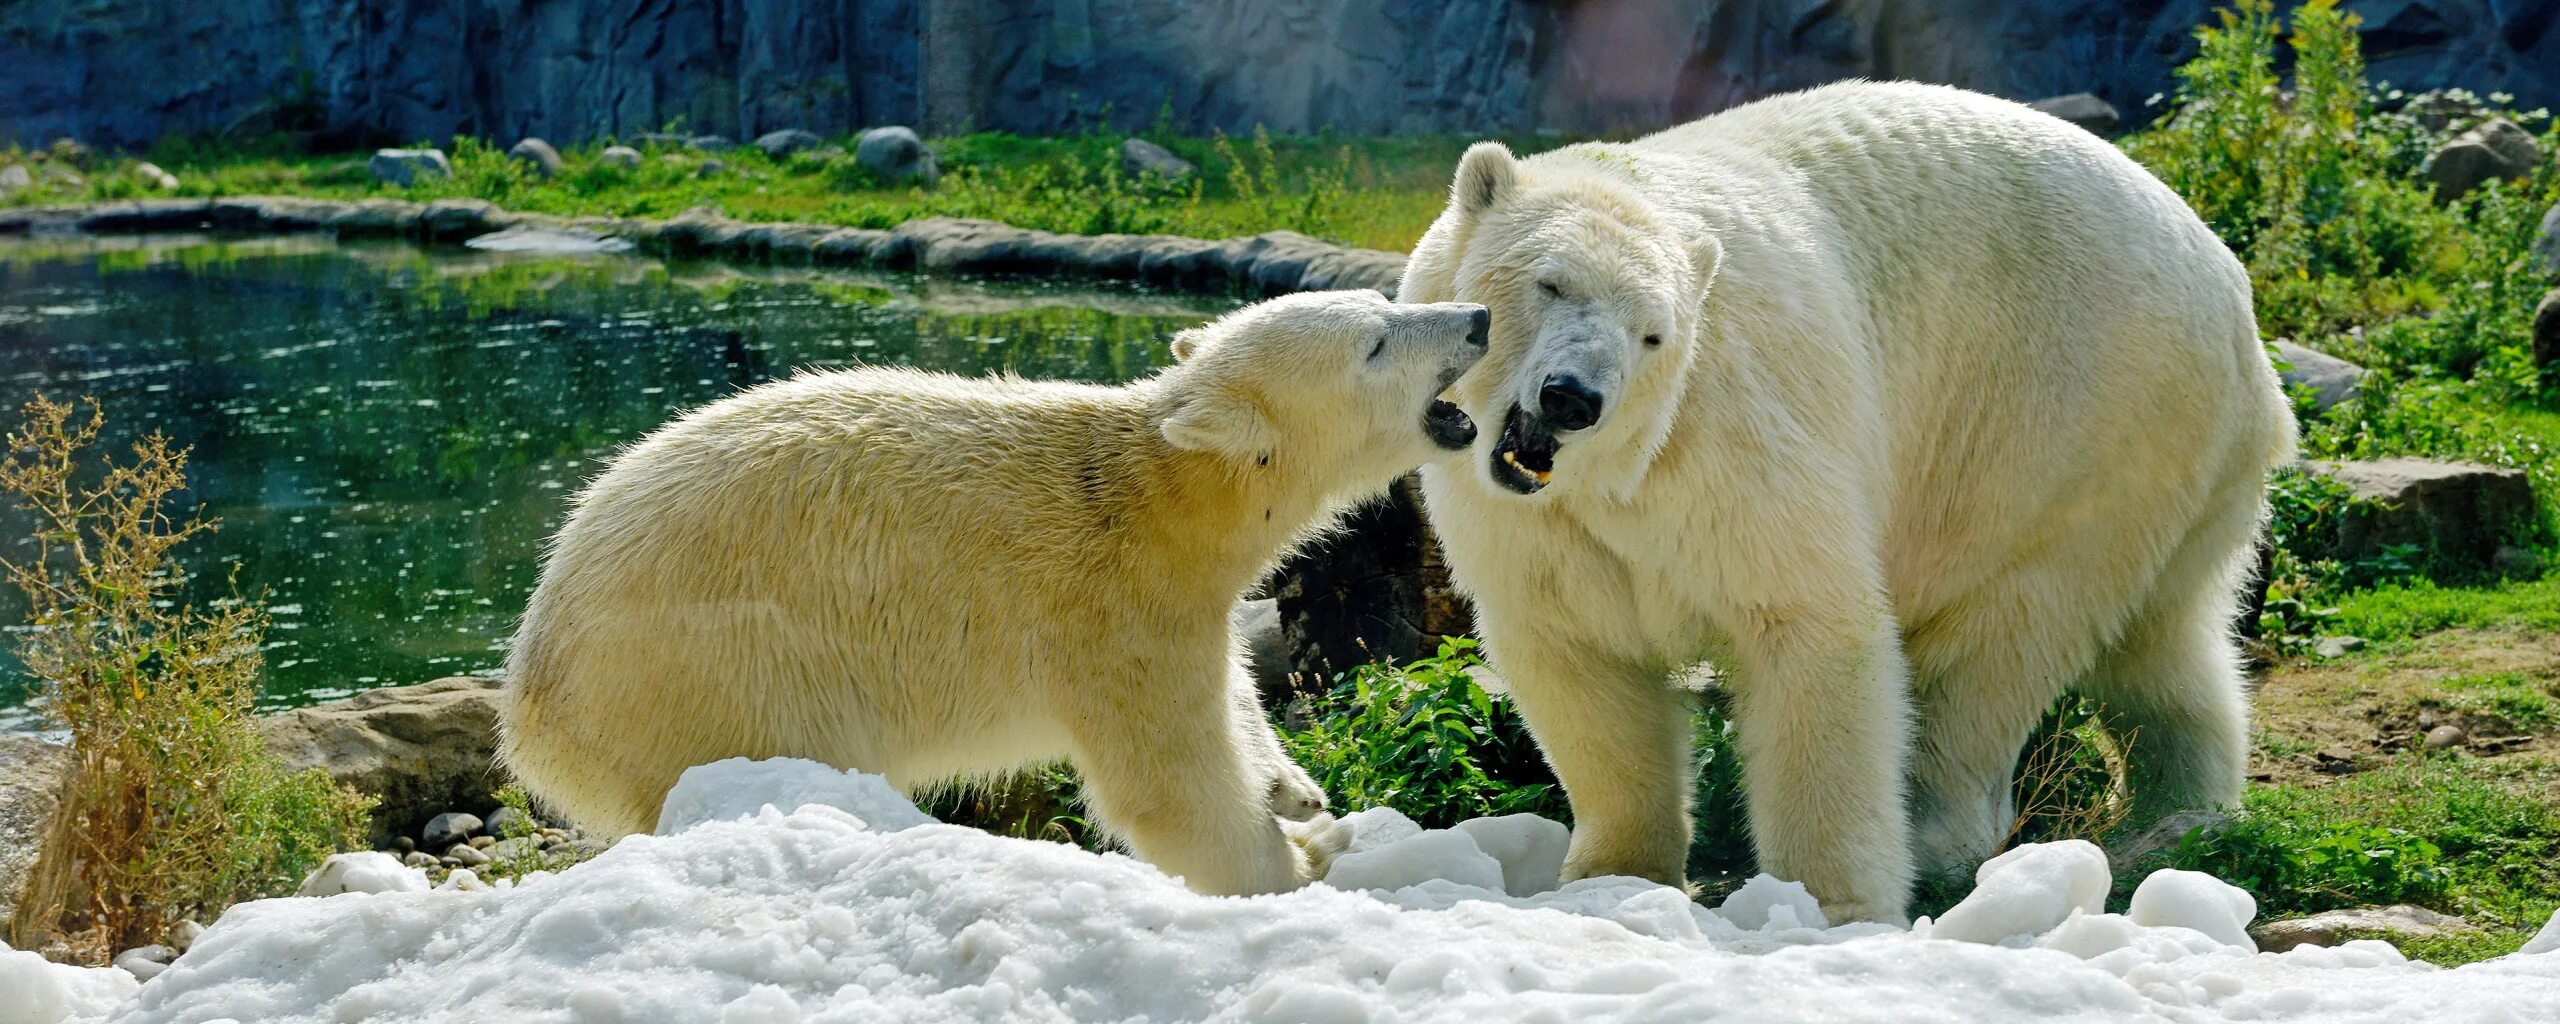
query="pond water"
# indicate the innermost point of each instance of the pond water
(387, 433)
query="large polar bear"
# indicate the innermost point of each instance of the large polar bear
(933, 577)
(1907, 408)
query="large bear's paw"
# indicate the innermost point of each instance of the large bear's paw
(1294, 794)
(1314, 843)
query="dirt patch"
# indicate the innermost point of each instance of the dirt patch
(2315, 720)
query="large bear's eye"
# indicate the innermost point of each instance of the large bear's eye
(1378, 349)
(1550, 288)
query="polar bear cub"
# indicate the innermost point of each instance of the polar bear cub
(1908, 408)
(939, 578)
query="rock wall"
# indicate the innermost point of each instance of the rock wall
(126, 72)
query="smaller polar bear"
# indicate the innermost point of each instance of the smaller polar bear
(939, 578)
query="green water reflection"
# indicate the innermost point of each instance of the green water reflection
(388, 433)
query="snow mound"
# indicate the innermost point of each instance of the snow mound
(362, 872)
(741, 788)
(2028, 891)
(824, 914)
(34, 990)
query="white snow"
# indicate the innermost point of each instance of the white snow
(34, 990)
(2548, 939)
(2027, 891)
(824, 914)
(2193, 899)
(740, 788)
(362, 872)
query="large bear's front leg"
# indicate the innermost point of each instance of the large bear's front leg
(1617, 735)
(1821, 717)
(1168, 766)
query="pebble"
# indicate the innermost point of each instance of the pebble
(420, 859)
(403, 844)
(146, 962)
(2339, 646)
(466, 855)
(2445, 737)
(516, 848)
(483, 842)
(506, 821)
(447, 829)
(184, 935)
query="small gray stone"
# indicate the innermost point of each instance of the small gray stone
(621, 158)
(536, 154)
(710, 168)
(506, 822)
(2339, 646)
(406, 167)
(483, 842)
(711, 143)
(146, 962)
(2332, 380)
(2445, 737)
(2399, 923)
(15, 177)
(467, 855)
(2494, 149)
(517, 848)
(447, 829)
(404, 844)
(1140, 158)
(781, 144)
(2546, 243)
(894, 154)
(2092, 114)
(420, 859)
(151, 174)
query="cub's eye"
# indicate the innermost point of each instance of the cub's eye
(1653, 341)
(1552, 291)
(1378, 349)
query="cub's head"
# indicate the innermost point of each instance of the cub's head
(1348, 382)
(1596, 305)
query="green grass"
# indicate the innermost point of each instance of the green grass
(2397, 612)
(2464, 837)
(1372, 192)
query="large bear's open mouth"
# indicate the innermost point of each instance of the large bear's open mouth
(1448, 426)
(1525, 455)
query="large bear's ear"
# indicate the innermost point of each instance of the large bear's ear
(1486, 175)
(1706, 256)
(1220, 421)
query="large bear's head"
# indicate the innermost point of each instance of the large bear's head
(1345, 384)
(1597, 299)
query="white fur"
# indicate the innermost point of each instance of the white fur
(938, 578)
(1956, 407)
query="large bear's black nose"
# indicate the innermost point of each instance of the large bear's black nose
(1479, 326)
(1568, 403)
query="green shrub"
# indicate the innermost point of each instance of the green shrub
(172, 807)
(1427, 740)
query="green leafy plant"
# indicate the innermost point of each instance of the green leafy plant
(172, 807)
(1427, 740)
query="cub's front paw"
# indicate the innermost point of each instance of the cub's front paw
(1294, 795)
(1314, 843)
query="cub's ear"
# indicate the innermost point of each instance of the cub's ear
(1486, 175)
(1188, 342)
(1223, 422)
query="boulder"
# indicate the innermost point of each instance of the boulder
(620, 158)
(2394, 923)
(894, 154)
(2332, 380)
(30, 788)
(781, 144)
(536, 155)
(2546, 330)
(2097, 116)
(447, 829)
(2454, 513)
(2495, 149)
(711, 143)
(406, 167)
(15, 177)
(423, 750)
(1140, 158)
(2546, 243)
(152, 175)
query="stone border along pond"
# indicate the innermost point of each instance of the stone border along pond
(1272, 263)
